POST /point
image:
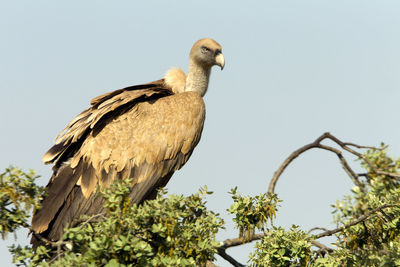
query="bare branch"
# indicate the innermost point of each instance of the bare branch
(363, 147)
(345, 146)
(317, 228)
(317, 144)
(228, 243)
(223, 254)
(240, 241)
(353, 176)
(359, 220)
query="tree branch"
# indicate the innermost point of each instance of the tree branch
(240, 241)
(362, 147)
(359, 220)
(317, 144)
(223, 254)
(228, 243)
(316, 228)
(346, 147)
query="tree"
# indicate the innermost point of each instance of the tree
(180, 231)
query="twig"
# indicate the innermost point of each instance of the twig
(362, 147)
(316, 228)
(353, 176)
(346, 147)
(223, 254)
(228, 243)
(359, 220)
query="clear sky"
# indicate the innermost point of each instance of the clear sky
(294, 69)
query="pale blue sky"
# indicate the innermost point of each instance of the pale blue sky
(294, 69)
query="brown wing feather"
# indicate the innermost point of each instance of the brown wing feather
(147, 141)
(101, 98)
(101, 107)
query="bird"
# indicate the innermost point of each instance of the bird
(143, 132)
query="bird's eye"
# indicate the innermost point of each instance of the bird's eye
(204, 50)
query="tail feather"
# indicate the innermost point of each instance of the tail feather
(58, 189)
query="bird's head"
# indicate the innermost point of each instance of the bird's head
(207, 53)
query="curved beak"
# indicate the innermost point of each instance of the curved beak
(220, 60)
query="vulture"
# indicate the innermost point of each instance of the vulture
(144, 132)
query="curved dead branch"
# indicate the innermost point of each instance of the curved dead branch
(345, 146)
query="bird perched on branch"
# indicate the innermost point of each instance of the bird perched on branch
(143, 132)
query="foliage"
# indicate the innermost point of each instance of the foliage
(252, 213)
(167, 231)
(283, 248)
(18, 195)
(180, 231)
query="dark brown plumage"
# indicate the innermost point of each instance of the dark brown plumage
(144, 132)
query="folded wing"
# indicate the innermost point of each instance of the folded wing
(143, 132)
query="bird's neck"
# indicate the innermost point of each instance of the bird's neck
(197, 78)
